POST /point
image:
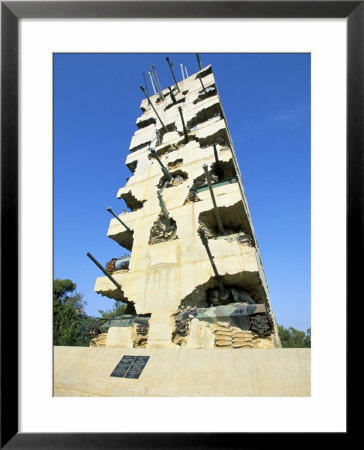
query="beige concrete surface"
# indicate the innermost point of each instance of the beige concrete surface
(81, 371)
(165, 275)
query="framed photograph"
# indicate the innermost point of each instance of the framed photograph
(34, 35)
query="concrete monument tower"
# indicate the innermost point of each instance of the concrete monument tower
(194, 277)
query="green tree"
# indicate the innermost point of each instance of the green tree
(307, 339)
(117, 310)
(70, 323)
(292, 338)
(61, 288)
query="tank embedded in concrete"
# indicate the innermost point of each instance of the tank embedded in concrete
(169, 267)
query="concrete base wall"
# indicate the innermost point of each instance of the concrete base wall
(84, 371)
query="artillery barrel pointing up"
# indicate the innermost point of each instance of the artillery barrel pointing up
(217, 215)
(204, 240)
(183, 124)
(215, 153)
(199, 60)
(151, 104)
(145, 82)
(172, 96)
(171, 67)
(203, 87)
(163, 207)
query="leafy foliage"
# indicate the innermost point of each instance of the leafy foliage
(307, 339)
(292, 338)
(117, 310)
(70, 323)
(62, 287)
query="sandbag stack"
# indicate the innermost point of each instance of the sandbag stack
(223, 334)
(99, 341)
(242, 339)
(227, 336)
(259, 342)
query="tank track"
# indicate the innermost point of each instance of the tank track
(261, 324)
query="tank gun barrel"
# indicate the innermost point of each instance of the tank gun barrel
(203, 87)
(217, 215)
(164, 168)
(219, 170)
(171, 67)
(112, 279)
(151, 104)
(183, 124)
(118, 218)
(215, 153)
(163, 207)
(199, 60)
(145, 82)
(172, 96)
(205, 242)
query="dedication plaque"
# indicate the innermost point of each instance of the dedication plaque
(130, 366)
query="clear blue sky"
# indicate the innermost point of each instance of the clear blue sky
(266, 98)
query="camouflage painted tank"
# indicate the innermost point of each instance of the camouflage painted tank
(125, 320)
(238, 310)
(243, 315)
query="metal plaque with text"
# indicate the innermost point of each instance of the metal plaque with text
(130, 366)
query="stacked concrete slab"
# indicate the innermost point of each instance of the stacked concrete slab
(169, 270)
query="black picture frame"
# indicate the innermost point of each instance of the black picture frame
(11, 12)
